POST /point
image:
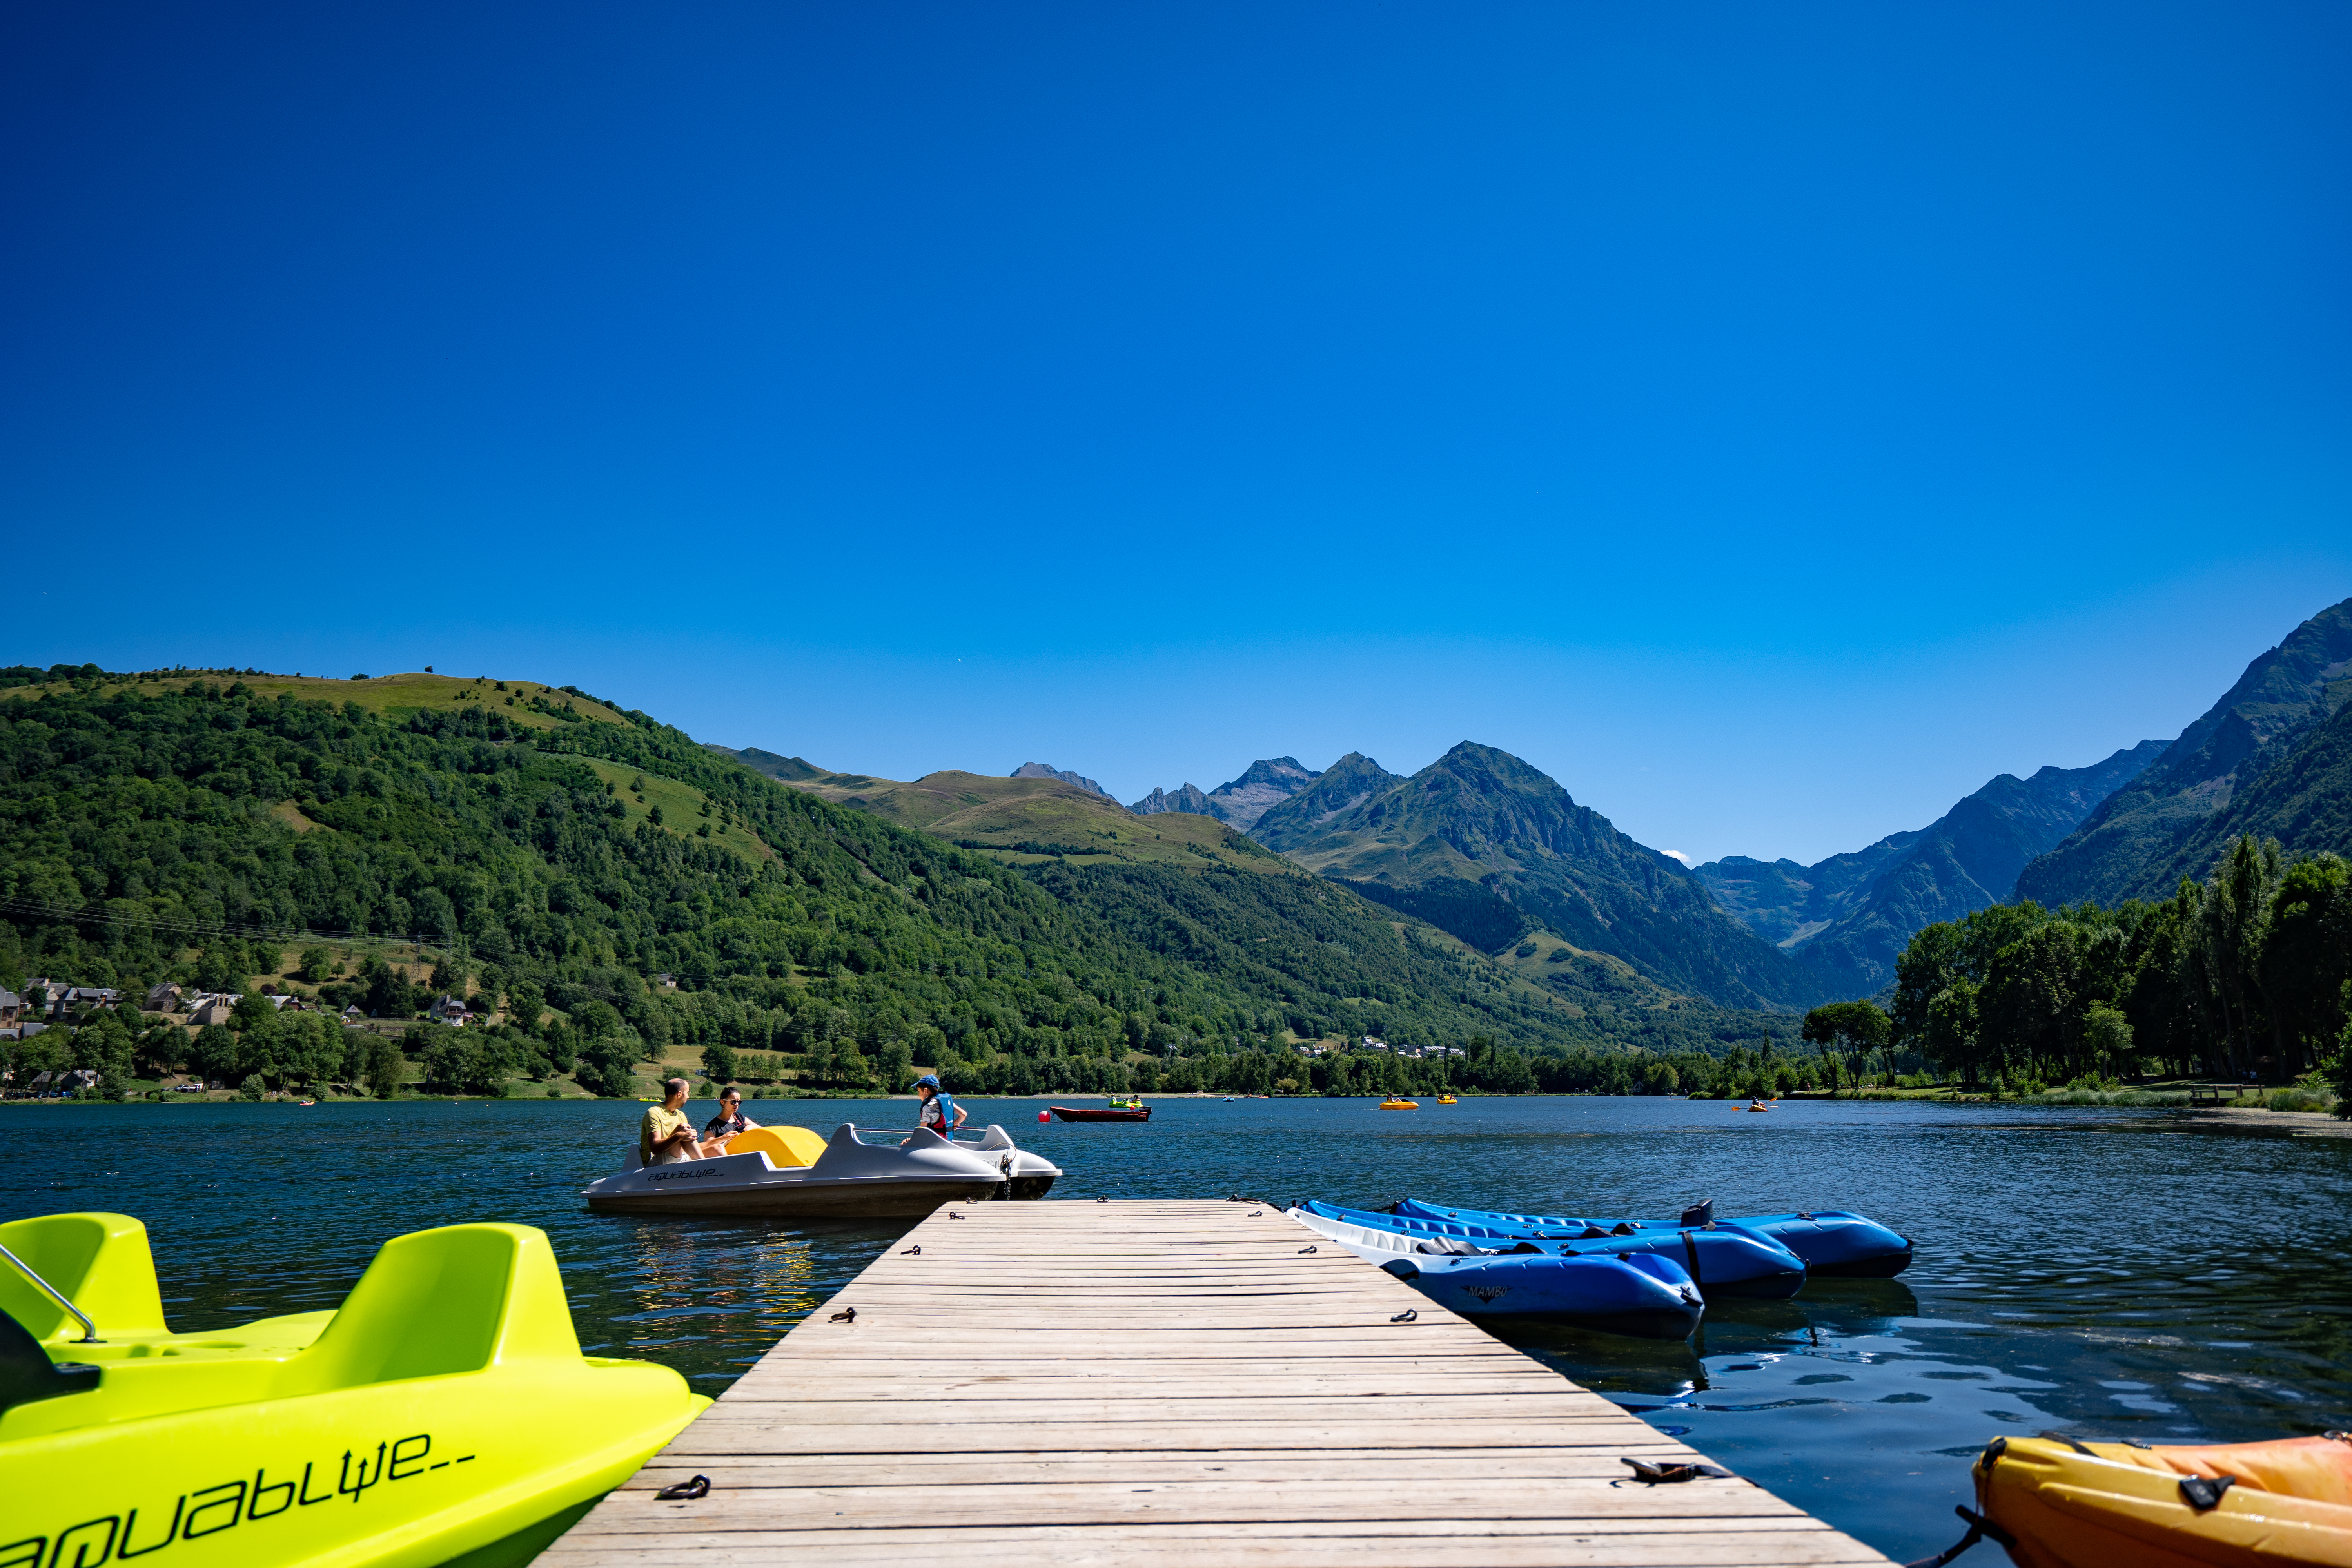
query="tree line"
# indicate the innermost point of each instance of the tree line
(2245, 975)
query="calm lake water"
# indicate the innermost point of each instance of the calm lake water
(2094, 1272)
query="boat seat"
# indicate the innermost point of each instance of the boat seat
(26, 1373)
(783, 1145)
(440, 1301)
(100, 1262)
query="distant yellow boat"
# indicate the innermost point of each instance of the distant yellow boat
(1447, 1100)
(1399, 1105)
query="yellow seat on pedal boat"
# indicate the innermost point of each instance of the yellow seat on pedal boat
(783, 1145)
(2092, 1505)
(444, 1411)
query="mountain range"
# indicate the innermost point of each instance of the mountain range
(1484, 845)
(1267, 784)
(1491, 852)
(1848, 918)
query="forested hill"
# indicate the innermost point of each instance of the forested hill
(137, 823)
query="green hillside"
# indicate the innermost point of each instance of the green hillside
(520, 705)
(199, 831)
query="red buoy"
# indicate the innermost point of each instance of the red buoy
(1045, 1116)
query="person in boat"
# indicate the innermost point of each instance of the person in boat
(940, 1113)
(730, 1121)
(666, 1136)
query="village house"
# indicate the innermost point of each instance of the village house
(64, 1001)
(448, 1009)
(214, 1007)
(12, 1008)
(163, 998)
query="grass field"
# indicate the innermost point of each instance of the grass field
(394, 696)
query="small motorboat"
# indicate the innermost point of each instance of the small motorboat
(1399, 1105)
(2068, 1504)
(1101, 1113)
(1833, 1243)
(1643, 1295)
(1724, 1260)
(444, 1409)
(854, 1174)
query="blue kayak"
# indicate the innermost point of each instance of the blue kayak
(1724, 1260)
(1643, 1295)
(1833, 1242)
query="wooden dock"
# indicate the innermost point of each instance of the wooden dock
(1168, 1381)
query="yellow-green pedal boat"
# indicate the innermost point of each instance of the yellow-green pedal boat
(443, 1415)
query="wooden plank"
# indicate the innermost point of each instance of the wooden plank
(1070, 1382)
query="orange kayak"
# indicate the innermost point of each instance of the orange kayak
(2095, 1505)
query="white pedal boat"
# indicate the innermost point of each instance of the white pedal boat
(791, 1172)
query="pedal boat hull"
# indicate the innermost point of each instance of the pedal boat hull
(444, 1413)
(894, 1176)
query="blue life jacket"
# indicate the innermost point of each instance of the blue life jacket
(946, 1102)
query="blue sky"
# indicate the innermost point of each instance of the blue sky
(1771, 421)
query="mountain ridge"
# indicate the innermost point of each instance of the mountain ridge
(1480, 827)
(1049, 770)
(1847, 918)
(2130, 846)
(1263, 785)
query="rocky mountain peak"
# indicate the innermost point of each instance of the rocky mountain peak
(1049, 770)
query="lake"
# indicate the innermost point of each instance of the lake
(2097, 1272)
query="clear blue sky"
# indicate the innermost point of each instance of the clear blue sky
(1770, 420)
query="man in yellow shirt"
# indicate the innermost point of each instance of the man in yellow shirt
(666, 1136)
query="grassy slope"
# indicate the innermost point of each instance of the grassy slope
(1001, 812)
(396, 697)
(681, 807)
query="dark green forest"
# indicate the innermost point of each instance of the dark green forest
(189, 833)
(2246, 975)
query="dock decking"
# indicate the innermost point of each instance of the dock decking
(1166, 1382)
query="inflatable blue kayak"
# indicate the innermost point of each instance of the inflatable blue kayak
(1643, 1295)
(1833, 1242)
(1723, 1260)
